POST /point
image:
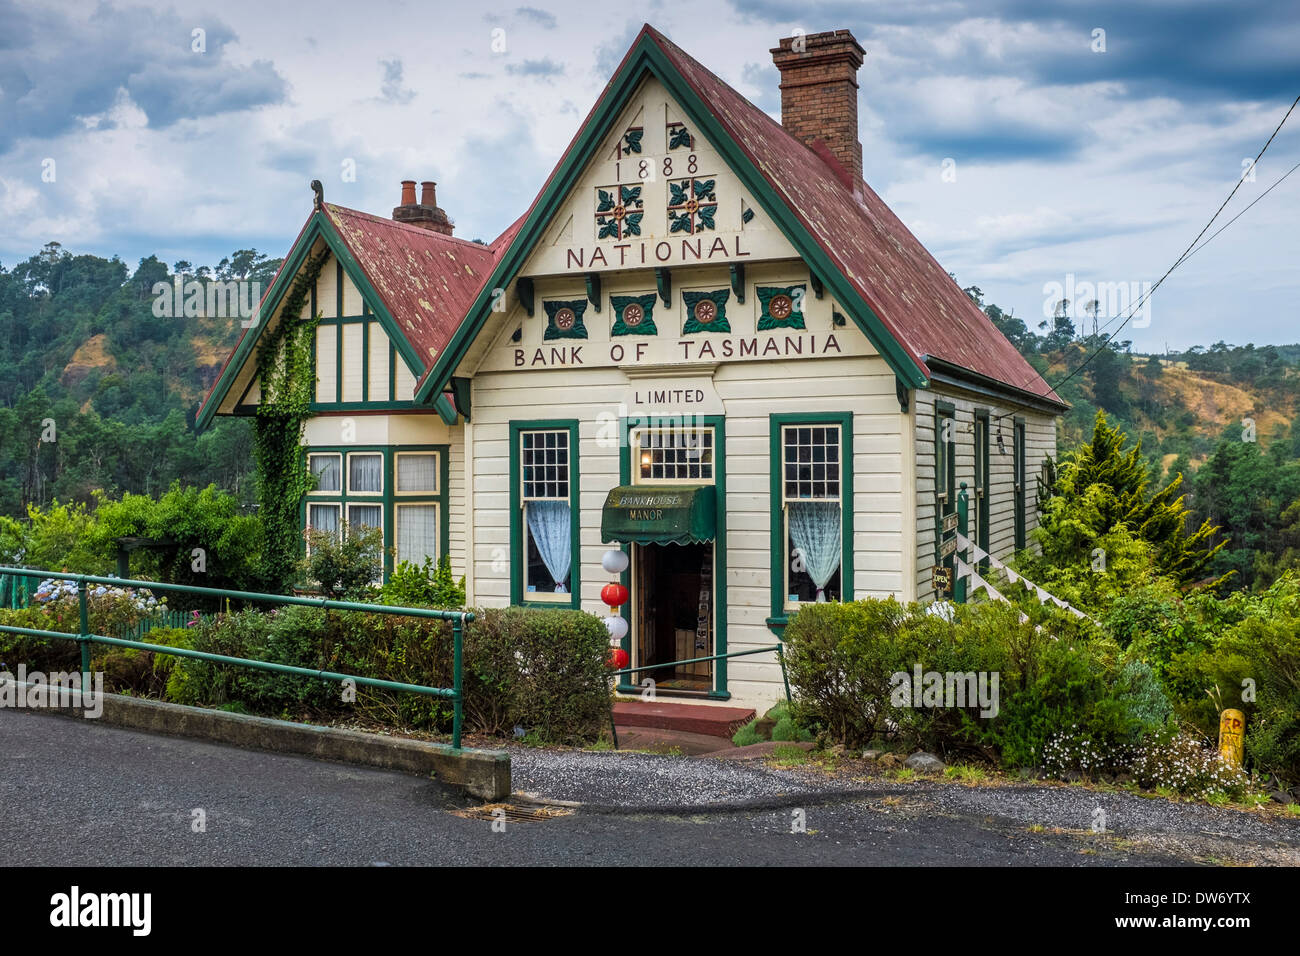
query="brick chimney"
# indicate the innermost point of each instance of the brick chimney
(425, 213)
(819, 93)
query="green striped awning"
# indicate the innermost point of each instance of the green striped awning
(660, 514)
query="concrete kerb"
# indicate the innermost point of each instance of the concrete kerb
(481, 773)
(753, 804)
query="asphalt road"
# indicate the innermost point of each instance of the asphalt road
(76, 793)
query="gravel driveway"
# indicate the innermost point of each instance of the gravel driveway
(611, 782)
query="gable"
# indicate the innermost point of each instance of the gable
(358, 364)
(593, 141)
(656, 193)
(888, 284)
(365, 359)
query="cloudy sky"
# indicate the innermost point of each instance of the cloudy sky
(1063, 159)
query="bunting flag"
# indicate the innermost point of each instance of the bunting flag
(978, 554)
(977, 582)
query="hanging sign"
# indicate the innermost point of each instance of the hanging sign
(941, 578)
(949, 523)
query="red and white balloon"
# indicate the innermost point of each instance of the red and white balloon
(615, 594)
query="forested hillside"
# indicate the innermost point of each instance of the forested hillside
(98, 392)
(1224, 417)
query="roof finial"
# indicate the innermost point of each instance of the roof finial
(319, 190)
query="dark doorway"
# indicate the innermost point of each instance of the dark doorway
(673, 597)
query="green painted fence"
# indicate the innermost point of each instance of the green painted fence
(85, 638)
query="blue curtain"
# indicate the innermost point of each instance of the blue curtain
(549, 523)
(815, 531)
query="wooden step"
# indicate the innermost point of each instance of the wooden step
(690, 718)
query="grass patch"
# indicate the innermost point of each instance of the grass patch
(787, 729)
(901, 774)
(964, 773)
(747, 735)
(790, 756)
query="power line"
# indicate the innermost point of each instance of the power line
(1212, 236)
(1243, 212)
(1187, 253)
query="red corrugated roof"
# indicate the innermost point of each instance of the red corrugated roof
(909, 291)
(427, 280)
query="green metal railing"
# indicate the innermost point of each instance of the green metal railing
(14, 592)
(780, 656)
(85, 638)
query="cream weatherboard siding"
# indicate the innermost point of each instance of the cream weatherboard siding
(1040, 444)
(747, 393)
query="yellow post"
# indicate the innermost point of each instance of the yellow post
(1232, 736)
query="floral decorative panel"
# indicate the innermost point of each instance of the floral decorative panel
(564, 319)
(634, 314)
(781, 307)
(692, 205)
(706, 311)
(619, 210)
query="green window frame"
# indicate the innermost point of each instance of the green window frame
(945, 472)
(388, 499)
(782, 609)
(1018, 469)
(519, 596)
(982, 473)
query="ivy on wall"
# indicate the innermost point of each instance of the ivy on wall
(284, 369)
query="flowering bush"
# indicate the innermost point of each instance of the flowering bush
(1076, 749)
(110, 608)
(1182, 764)
(1178, 762)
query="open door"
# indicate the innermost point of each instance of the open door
(673, 600)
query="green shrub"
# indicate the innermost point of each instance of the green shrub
(345, 568)
(839, 657)
(541, 669)
(842, 659)
(79, 540)
(747, 735)
(56, 607)
(294, 636)
(140, 673)
(406, 649)
(47, 654)
(412, 585)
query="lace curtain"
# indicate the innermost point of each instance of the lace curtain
(548, 521)
(815, 531)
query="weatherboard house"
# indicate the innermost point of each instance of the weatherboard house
(707, 342)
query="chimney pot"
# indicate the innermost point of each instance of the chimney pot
(425, 214)
(819, 93)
